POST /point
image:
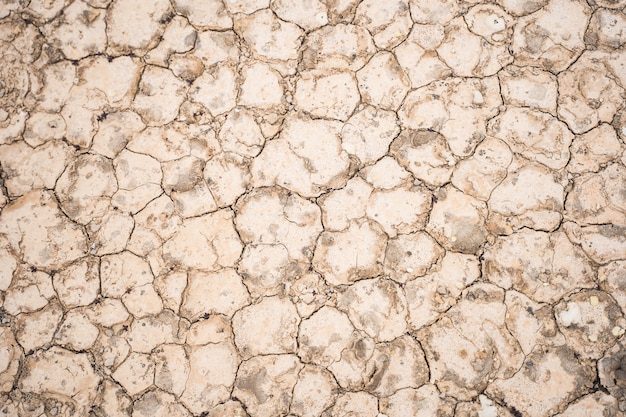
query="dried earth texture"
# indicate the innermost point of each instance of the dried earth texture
(334, 208)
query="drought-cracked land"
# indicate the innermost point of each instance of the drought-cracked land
(334, 208)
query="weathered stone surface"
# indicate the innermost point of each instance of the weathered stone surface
(35, 226)
(60, 373)
(436, 107)
(265, 384)
(351, 254)
(544, 266)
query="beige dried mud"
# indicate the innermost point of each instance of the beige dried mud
(315, 208)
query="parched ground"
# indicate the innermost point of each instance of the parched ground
(365, 208)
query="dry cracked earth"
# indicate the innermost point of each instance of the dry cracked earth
(360, 208)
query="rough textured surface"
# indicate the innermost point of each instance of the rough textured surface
(301, 208)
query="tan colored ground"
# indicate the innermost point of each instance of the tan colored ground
(375, 208)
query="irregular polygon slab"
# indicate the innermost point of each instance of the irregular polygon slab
(431, 295)
(135, 25)
(117, 78)
(456, 108)
(261, 87)
(76, 332)
(179, 37)
(594, 149)
(309, 15)
(10, 359)
(612, 278)
(115, 131)
(544, 38)
(471, 345)
(36, 227)
(425, 154)
(531, 196)
(587, 96)
(159, 219)
(606, 29)
(389, 24)
(307, 158)
(531, 323)
(490, 22)
(544, 266)
(147, 333)
(42, 127)
(376, 306)
(241, 134)
(167, 143)
(433, 11)
(396, 365)
(216, 89)
(610, 371)
(29, 291)
(275, 216)
(207, 242)
(35, 330)
(338, 47)
(468, 55)
(138, 179)
(28, 168)
(314, 392)
(339, 207)
(60, 373)
(212, 373)
(599, 198)
(534, 135)
(382, 82)
(265, 384)
(412, 255)
(85, 188)
(355, 403)
(181, 175)
(421, 402)
(324, 336)
(123, 271)
(158, 404)
(268, 36)
(602, 243)
(422, 66)
(479, 174)
(529, 87)
(349, 255)
(327, 95)
(386, 174)
(401, 210)
(209, 14)
(246, 6)
(368, 132)
(136, 373)
(269, 327)
(591, 322)
(220, 292)
(159, 96)
(457, 221)
(8, 263)
(549, 380)
(522, 7)
(215, 329)
(267, 269)
(79, 32)
(594, 401)
(213, 47)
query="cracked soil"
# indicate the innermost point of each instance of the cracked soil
(335, 208)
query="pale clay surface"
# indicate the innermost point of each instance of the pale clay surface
(303, 208)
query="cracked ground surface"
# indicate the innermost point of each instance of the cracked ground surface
(312, 208)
